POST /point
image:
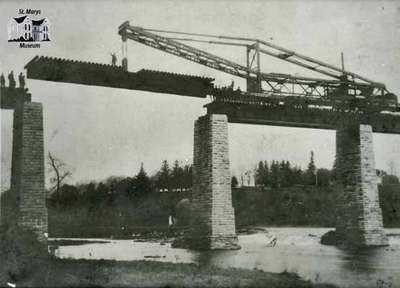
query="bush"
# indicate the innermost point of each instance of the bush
(20, 251)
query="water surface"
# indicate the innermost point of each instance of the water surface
(297, 250)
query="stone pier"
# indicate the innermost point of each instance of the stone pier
(212, 215)
(358, 216)
(25, 203)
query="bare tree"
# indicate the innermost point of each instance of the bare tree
(60, 172)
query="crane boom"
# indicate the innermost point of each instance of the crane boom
(277, 83)
(286, 55)
(179, 49)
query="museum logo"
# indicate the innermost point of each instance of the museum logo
(29, 29)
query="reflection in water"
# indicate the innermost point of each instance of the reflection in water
(297, 250)
(380, 265)
(361, 260)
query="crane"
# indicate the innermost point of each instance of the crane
(341, 81)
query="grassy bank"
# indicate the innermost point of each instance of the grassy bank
(74, 273)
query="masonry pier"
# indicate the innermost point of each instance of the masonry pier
(212, 220)
(358, 216)
(24, 204)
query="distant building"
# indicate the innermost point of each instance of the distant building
(25, 29)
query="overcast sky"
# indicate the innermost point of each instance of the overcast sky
(101, 132)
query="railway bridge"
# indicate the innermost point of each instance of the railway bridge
(354, 109)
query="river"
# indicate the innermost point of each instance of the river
(297, 250)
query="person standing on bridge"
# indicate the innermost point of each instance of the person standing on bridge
(113, 59)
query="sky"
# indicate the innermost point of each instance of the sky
(99, 132)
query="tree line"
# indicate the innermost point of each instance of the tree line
(119, 206)
(166, 179)
(282, 173)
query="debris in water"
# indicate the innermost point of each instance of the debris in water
(150, 256)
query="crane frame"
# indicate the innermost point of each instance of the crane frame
(343, 82)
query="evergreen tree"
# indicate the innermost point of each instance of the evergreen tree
(163, 177)
(266, 180)
(141, 183)
(177, 176)
(286, 174)
(311, 171)
(260, 174)
(187, 176)
(274, 176)
(311, 166)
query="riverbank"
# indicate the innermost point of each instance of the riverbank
(101, 273)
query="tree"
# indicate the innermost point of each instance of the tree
(324, 177)
(311, 166)
(297, 175)
(89, 195)
(187, 176)
(310, 173)
(163, 176)
(141, 183)
(260, 174)
(285, 172)
(102, 191)
(177, 176)
(390, 180)
(59, 171)
(266, 179)
(274, 175)
(67, 196)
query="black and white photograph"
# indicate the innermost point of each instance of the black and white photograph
(200, 143)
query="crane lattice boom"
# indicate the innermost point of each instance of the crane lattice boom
(343, 82)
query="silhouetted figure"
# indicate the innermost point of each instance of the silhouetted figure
(2, 80)
(11, 80)
(113, 59)
(21, 79)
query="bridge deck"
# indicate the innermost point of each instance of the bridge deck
(61, 70)
(69, 71)
(276, 115)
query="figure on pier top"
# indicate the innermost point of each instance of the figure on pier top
(11, 80)
(21, 79)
